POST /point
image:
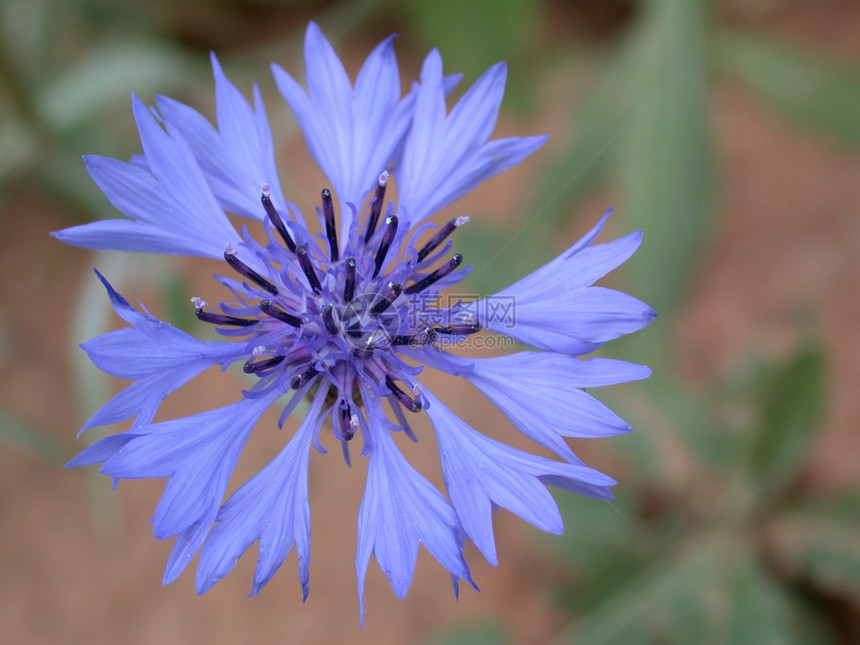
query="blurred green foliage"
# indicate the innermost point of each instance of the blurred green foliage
(737, 552)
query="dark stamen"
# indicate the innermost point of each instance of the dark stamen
(330, 232)
(305, 262)
(304, 378)
(275, 219)
(386, 298)
(459, 330)
(414, 405)
(438, 274)
(346, 429)
(349, 283)
(355, 330)
(328, 319)
(385, 244)
(376, 206)
(428, 335)
(243, 269)
(222, 319)
(268, 308)
(259, 366)
(376, 339)
(440, 236)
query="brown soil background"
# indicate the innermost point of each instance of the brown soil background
(788, 238)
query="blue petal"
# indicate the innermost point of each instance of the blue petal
(556, 309)
(445, 156)
(480, 472)
(351, 133)
(172, 163)
(163, 357)
(135, 237)
(238, 158)
(401, 509)
(422, 149)
(540, 394)
(186, 545)
(101, 450)
(169, 202)
(271, 507)
(197, 454)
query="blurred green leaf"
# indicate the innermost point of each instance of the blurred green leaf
(792, 402)
(648, 598)
(106, 76)
(94, 316)
(834, 564)
(30, 439)
(802, 85)
(478, 633)
(759, 610)
(598, 121)
(18, 148)
(665, 153)
(762, 611)
(475, 34)
(177, 299)
(501, 256)
(826, 548)
(663, 409)
(607, 544)
(24, 31)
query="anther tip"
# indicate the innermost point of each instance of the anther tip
(326, 193)
(229, 249)
(383, 178)
(266, 190)
(464, 219)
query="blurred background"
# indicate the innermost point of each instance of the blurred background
(729, 131)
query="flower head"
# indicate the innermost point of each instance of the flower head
(342, 318)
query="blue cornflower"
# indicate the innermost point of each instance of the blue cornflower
(342, 318)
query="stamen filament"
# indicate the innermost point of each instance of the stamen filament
(438, 274)
(440, 236)
(349, 282)
(428, 335)
(243, 269)
(330, 231)
(223, 319)
(376, 206)
(260, 366)
(413, 405)
(268, 308)
(328, 319)
(275, 218)
(459, 330)
(304, 378)
(393, 291)
(385, 244)
(308, 269)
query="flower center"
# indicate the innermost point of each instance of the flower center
(315, 319)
